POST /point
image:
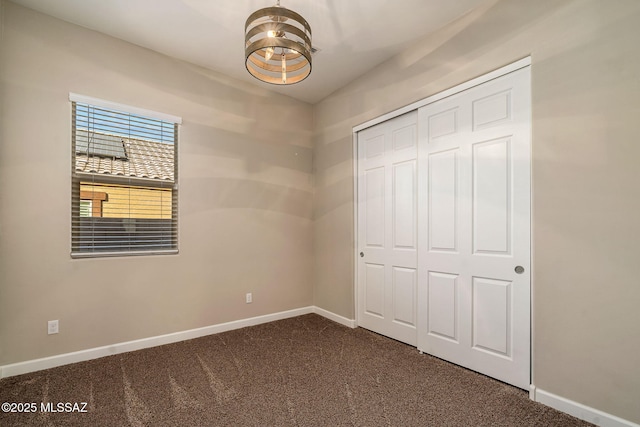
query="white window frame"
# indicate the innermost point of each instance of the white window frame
(76, 176)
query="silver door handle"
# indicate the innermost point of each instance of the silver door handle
(361, 254)
(519, 269)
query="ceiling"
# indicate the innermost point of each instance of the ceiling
(352, 36)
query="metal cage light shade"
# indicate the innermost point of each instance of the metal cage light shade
(277, 46)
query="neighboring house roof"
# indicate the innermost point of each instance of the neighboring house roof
(143, 158)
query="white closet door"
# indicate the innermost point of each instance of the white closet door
(387, 228)
(474, 228)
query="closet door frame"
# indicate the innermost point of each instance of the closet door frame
(522, 63)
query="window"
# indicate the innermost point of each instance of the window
(86, 208)
(124, 180)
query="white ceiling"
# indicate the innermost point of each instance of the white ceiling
(353, 35)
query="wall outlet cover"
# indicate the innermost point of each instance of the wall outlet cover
(52, 327)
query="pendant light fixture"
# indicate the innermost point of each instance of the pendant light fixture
(277, 46)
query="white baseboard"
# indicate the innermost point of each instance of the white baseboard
(335, 317)
(578, 410)
(532, 392)
(94, 353)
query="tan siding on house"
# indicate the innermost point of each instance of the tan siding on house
(132, 201)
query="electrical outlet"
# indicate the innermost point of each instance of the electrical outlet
(249, 298)
(52, 327)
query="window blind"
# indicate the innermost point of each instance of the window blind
(124, 182)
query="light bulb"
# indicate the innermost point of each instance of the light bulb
(268, 53)
(284, 69)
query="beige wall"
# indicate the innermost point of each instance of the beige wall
(245, 195)
(586, 179)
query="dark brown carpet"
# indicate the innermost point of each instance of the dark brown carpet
(304, 371)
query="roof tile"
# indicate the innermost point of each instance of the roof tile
(145, 159)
